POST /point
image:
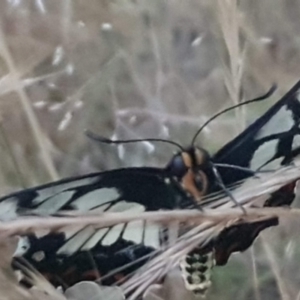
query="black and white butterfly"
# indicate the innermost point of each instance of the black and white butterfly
(271, 141)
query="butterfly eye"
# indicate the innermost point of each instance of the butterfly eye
(177, 166)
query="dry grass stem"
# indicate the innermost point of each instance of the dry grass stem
(31, 116)
(228, 16)
(282, 285)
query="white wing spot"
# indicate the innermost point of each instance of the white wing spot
(167, 181)
(113, 234)
(126, 206)
(95, 198)
(100, 209)
(134, 231)
(95, 238)
(22, 247)
(296, 142)
(69, 231)
(8, 209)
(38, 256)
(152, 235)
(264, 153)
(282, 121)
(55, 203)
(74, 244)
(50, 191)
(273, 165)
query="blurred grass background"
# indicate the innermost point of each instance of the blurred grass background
(137, 68)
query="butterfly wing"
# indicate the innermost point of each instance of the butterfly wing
(82, 248)
(239, 237)
(106, 191)
(271, 141)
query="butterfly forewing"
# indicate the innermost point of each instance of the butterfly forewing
(149, 187)
(271, 141)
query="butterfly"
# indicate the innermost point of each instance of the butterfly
(273, 140)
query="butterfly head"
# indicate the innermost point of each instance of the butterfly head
(192, 169)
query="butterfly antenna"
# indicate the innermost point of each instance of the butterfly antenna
(224, 188)
(105, 140)
(263, 97)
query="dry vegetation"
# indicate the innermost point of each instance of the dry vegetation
(145, 68)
